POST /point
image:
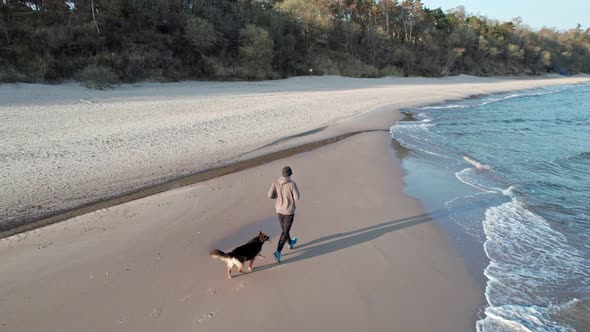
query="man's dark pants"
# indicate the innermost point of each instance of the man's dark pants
(286, 222)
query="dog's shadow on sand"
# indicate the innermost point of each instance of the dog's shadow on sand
(335, 242)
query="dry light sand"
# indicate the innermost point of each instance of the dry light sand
(368, 259)
(64, 146)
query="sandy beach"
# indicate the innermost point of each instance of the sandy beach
(369, 257)
(65, 146)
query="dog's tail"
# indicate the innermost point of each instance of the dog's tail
(220, 254)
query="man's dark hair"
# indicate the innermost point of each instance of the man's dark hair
(287, 171)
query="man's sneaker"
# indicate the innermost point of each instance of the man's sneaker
(277, 256)
(292, 243)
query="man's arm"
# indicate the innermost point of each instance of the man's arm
(272, 192)
(295, 192)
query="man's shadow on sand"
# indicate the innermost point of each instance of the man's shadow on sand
(339, 241)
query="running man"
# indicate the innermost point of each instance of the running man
(284, 192)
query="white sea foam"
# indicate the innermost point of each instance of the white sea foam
(416, 147)
(517, 95)
(444, 107)
(509, 192)
(411, 135)
(476, 163)
(491, 100)
(527, 260)
(485, 101)
(423, 124)
(470, 177)
(432, 153)
(511, 318)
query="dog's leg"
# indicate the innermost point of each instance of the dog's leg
(240, 266)
(251, 262)
(229, 267)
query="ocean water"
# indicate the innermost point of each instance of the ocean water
(511, 172)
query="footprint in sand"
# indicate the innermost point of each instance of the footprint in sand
(205, 318)
(241, 286)
(156, 313)
(18, 238)
(185, 299)
(127, 214)
(45, 245)
(122, 320)
(92, 229)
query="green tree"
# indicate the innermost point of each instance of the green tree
(256, 48)
(200, 33)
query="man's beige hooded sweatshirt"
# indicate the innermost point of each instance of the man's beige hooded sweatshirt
(285, 193)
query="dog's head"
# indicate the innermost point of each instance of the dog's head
(263, 237)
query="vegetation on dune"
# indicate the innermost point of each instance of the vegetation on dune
(101, 42)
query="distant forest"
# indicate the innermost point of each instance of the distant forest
(102, 42)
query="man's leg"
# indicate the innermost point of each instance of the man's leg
(286, 222)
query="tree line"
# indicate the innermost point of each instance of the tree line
(167, 40)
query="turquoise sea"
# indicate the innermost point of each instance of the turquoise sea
(511, 175)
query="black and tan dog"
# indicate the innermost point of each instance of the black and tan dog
(241, 254)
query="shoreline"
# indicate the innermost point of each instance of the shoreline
(320, 135)
(442, 122)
